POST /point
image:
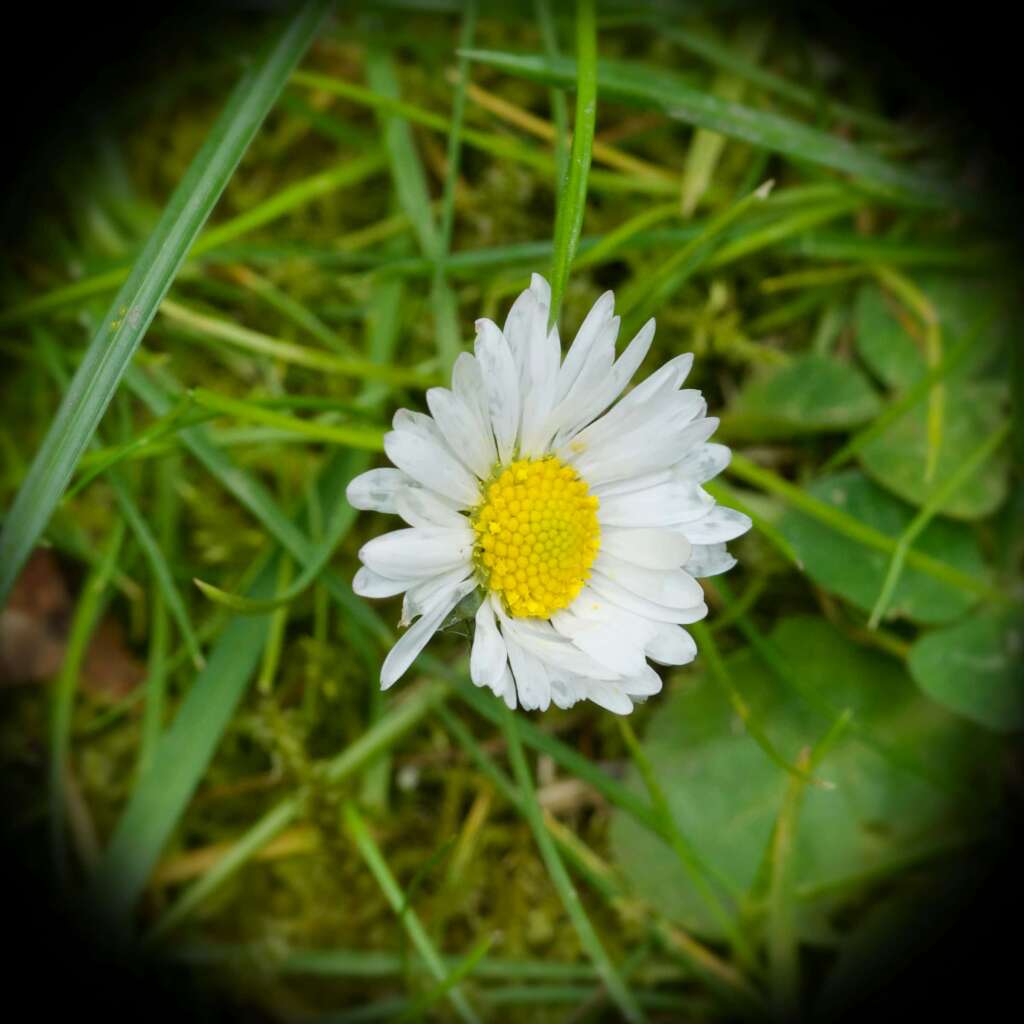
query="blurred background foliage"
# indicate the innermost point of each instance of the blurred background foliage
(218, 766)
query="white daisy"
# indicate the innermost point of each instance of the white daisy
(580, 519)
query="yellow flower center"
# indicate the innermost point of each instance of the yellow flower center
(536, 536)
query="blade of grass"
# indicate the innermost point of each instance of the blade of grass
(289, 352)
(184, 751)
(848, 526)
(783, 942)
(931, 508)
(689, 859)
(288, 307)
(951, 359)
(921, 306)
(680, 101)
(446, 311)
(813, 696)
(732, 59)
(648, 295)
(159, 567)
(720, 671)
(503, 147)
(613, 982)
(465, 967)
(706, 147)
(157, 667)
(370, 439)
(717, 971)
(213, 239)
(537, 126)
(135, 305)
(572, 197)
(559, 108)
(88, 610)
(374, 859)
(398, 720)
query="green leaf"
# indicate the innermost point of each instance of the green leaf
(856, 572)
(679, 100)
(974, 669)
(135, 305)
(813, 394)
(721, 796)
(963, 306)
(897, 457)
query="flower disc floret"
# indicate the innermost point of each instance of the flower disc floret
(536, 536)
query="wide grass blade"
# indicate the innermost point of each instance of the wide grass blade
(135, 305)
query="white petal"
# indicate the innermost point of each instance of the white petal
(416, 552)
(704, 462)
(461, 431)
(367, 583)
(421, 507)
(541, 289)
(662, 381)
(415, 638)
(671, 645)
(532, 682)
(420, 599)
(430, 464)
(638, 605)
(468, 384)
(506, 689)
(542, 641)
(539, 376)
(489, 658)
(644, 683)
(374, 490)
(720, 524)
(666, 411)
(676, 501)
(607, 696)
(709, 560)
(614, 651)
(501, 385)
(566, 691)
(650, 548)
(579, 351)
(654, 450)
(673, 588)
(604, 390)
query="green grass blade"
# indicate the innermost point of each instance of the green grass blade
(178, 763)
(559, 111)
(782, 941)
(370, 439)
(157, 665)
(158, 565)
(932, 507)
(617, 989)
(393, 893)
(87, 613)
(379, 737)
(213, 239)
(135, 305)
(847, 525)
(733, 60)
(680, 101)
(706, 148)
(572, 199)
(204, 326)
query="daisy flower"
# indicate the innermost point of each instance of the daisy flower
(575, 512)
